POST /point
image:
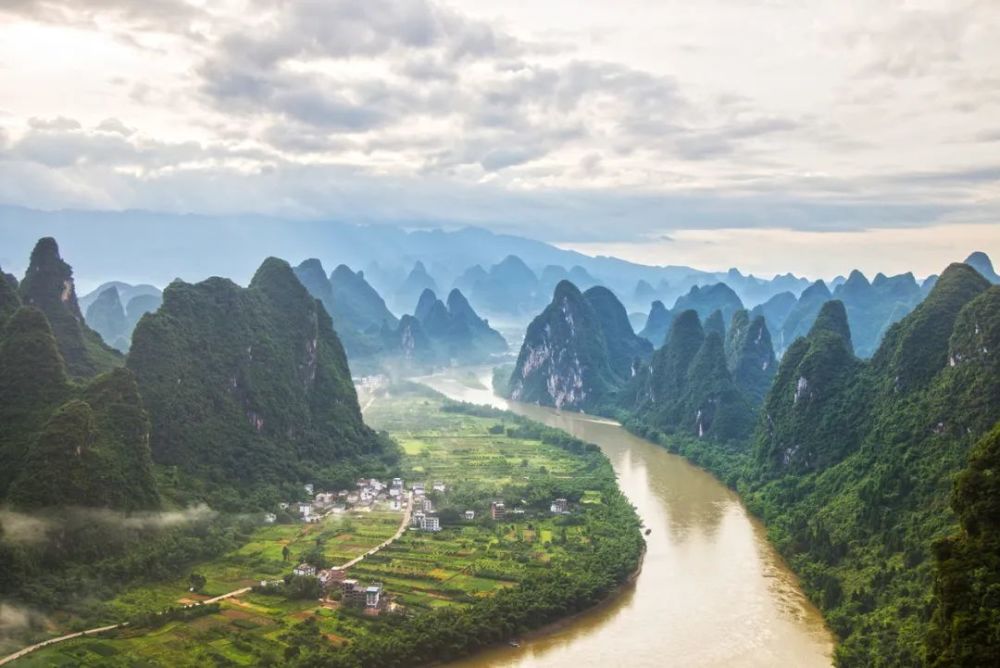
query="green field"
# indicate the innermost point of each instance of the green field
(479, 459)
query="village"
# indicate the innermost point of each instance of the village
(419, 514)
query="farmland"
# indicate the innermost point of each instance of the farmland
(479, 457)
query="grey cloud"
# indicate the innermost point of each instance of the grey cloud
(150, 15)
(57, 123)
(116, 126)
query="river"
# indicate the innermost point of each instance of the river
(712, 591)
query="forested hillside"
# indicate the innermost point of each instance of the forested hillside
(851, 468)
(248, 385)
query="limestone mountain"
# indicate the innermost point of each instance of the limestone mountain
(65, 444)
(126, 293)
(750, 355)
(106, 316)
(644, 293)
(455, 331)
(9, 301)
(980, 261)
(775, 310)
(247, 385)
(715, 323)
(916, 348)
(355, 300)
(687, 387)
(564, 361)
(484, 336)
(800, 318)
(873, 307)
(813, 415)
(855, 462)
(625, 349)
(140, 305)
(967, 568)
(510, 287)
(48, 286)
(357, 310)
(657, 324)
(415, 283)
(706, 299)
(468, 279)
(409, 341)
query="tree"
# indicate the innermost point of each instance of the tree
(197, 581)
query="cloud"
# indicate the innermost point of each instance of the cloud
(419, 112)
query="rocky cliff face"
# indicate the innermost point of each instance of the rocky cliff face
(564, 361)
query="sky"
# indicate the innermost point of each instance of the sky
(805, 135)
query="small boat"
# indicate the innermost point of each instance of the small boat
(649, 531)
(514, 643)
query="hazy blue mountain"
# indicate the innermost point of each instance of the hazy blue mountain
(468, 279)
(704, 300)
(657, 324)
(416, 282)
(873, 307)
(800, 319)
(140, 305)
(775, 310)
(356, 301)
(510, 287)
(126, 293)
(106, 316)
(980, 261)
(638, 320)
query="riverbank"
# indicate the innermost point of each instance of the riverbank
(712, 591)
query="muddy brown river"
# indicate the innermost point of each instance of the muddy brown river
(712, 591)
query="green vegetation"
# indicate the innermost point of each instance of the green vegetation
(475, 583)
(966, 623)
(851, 469)
(578, 353)
(48, 286)
(248, 389)
(64, 443)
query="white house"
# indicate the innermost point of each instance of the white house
(305, 510)
(270, 518)
(559, 507)
(470, 515)
(304, 569)
(309, 488)
(430, 523)
(438, 486)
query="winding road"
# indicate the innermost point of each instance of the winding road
(10, 658)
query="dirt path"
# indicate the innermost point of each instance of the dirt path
(236, 592)
(52, 641)
(399, 532)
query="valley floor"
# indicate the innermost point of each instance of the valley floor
(478, 459)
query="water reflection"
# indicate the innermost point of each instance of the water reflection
(712, 591)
